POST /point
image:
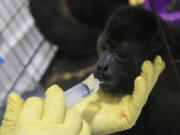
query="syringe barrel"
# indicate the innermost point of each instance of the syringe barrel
(75, 94)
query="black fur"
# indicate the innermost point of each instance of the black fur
(130, 37)
(73, 25)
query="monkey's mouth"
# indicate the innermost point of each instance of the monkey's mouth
(106, 83)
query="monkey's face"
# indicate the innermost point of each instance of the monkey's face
(117, 66)
(122, 50)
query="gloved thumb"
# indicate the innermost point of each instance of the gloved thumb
(14, 105)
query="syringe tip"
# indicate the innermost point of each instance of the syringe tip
(92, 84)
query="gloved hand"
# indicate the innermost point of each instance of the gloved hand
(105, 114)
(38, 117)
(136, 2)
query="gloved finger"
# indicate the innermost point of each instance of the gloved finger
(32, 110)
(85, 129)
(14, 106)
(139, 98)
(136, 2)
(55, 108)
(147, 73)
(159, 66)
(73, 122)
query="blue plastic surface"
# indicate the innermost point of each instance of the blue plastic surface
(1, 60)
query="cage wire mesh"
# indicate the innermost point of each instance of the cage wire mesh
(25, 52)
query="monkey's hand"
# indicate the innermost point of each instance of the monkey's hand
(38, 117)
(105, 114)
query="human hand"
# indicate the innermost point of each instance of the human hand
(38, 117)
(136, 2)
(105, 114)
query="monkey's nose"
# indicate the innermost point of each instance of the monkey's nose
(102, 68)
(101, 71)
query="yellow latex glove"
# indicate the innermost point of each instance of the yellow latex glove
(38, 117)
(136, 2)
(105, 114)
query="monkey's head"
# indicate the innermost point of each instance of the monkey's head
(130, 37)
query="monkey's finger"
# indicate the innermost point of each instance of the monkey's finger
(55, 108)
(14, 106)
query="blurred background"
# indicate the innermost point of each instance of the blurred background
(24, 53)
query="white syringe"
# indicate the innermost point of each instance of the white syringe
(76, 93)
